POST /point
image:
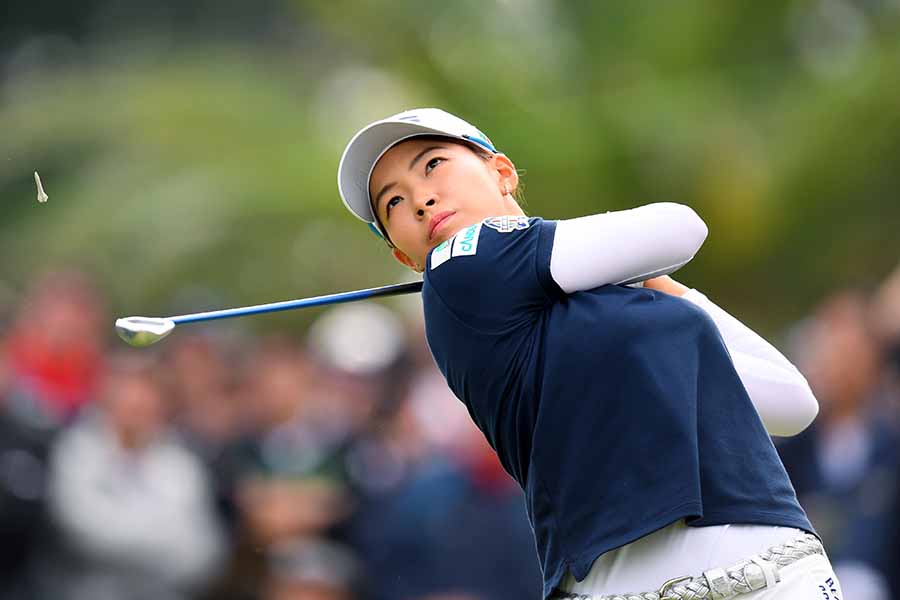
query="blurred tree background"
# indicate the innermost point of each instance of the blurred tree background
(193, 145)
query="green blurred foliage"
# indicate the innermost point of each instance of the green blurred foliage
(184, 157)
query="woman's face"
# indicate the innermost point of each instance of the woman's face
(424, 190)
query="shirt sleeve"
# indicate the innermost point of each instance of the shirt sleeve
(495, 276)
(626, 246)
(779, 391)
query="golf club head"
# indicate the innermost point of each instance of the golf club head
(141, 332)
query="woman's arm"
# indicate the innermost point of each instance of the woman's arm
(779, 391)
(624, 246)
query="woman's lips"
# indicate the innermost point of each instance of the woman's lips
(436, 222)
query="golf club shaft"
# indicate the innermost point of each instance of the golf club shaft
(387, 290)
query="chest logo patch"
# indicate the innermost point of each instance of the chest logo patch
(507, 223)
(465, 243)
(441, 253)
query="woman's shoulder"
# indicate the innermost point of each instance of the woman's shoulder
(491, 273)
(486, 243)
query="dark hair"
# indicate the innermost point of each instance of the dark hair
(132, 365)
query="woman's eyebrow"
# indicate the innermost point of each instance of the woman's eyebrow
(419, 156)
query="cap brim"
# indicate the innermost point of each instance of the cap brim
(360, 156)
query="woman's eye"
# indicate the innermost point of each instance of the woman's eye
(432, 164)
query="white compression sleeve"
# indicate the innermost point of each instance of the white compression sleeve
(779, 391)
(624, 246)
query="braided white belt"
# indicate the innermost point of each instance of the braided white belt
(749, 575)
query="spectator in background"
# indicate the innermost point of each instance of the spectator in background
(311, 570)
(445, 521)
(289, 473)
(310, 409)
(204, 381)
(209, 414)
(208, 411)
(55, 348)
(361, 352)
(293, 480)
(132, 506)
(845, 466)
(23, 462)
(886, 315)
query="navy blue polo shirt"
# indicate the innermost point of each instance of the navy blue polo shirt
(617, 409)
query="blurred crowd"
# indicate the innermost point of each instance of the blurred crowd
(236, 467)
(339, 466)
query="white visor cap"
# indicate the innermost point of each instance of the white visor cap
(372, 141)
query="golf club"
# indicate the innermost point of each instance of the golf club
(144, 331)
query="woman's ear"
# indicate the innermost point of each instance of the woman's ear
(508, 177)
(405, 260)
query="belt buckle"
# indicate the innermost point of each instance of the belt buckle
(664, 588)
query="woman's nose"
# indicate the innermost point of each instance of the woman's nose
(421, 211)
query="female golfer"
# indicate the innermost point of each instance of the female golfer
(634, 418)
